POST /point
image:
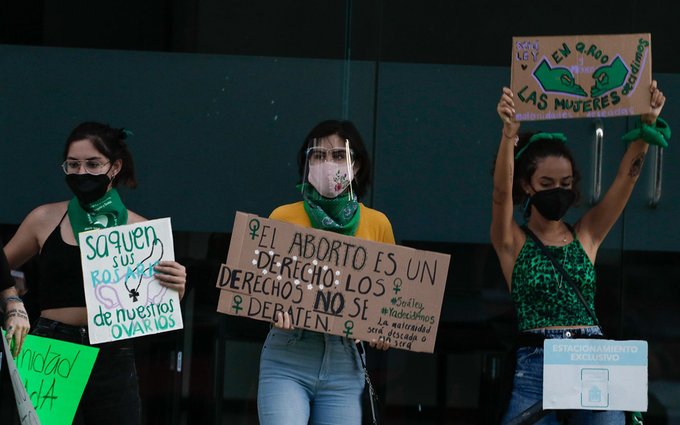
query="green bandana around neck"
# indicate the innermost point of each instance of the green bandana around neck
(107, 211)
(340, 215)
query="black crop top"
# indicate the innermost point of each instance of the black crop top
(61, 274)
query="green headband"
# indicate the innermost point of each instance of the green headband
(542, 136)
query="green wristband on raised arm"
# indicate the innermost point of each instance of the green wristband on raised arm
(655, 134)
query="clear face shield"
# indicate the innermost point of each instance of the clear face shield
(329, 167)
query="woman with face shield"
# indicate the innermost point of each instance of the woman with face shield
(96, 160)
(537, 172)
(305, 376)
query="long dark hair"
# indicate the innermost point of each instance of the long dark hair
(526, 164)
(344, 130)
(110, 142)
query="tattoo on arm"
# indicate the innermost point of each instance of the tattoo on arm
(16, 313)
(636, 165)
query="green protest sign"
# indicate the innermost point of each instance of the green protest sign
(54, 374)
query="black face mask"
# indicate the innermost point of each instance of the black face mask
(553, 203)
(88, 187)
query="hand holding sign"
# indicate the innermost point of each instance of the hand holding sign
(283, 321)
(657, 102)
(506, 110)
(379, 344)
(172, 275)
(16, 324)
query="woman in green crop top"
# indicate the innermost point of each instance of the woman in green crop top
(537, 172)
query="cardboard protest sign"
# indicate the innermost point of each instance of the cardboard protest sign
(595, 374)
(49, 377)
(560, 77)
(124, 299)
(333, 283)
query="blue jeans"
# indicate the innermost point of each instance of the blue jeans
(111, 396)
(309, 377)
(527, 387)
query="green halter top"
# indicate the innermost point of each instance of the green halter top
(542, 296)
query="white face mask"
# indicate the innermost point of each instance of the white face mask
(329, 178)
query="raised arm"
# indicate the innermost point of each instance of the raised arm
(597, 222)
(504, 230)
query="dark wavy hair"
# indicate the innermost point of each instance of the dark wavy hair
(526, 164)
(344, 130)
(110, 142)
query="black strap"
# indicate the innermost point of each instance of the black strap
(558, 267)
(531, 415)
(372, 395)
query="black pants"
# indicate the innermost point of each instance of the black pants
(111, 395)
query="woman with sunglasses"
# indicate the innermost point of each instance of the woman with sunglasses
(96, 161)
(538, 172)
(305, 376)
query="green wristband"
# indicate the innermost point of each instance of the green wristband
(656, 134)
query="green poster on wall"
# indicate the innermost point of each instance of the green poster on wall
(54, 374)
